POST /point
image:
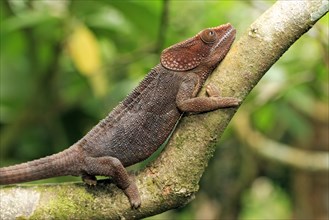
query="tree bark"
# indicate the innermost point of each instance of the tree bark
(172, 180)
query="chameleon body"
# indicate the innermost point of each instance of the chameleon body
(143, 120)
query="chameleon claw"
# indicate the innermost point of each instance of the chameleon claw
(133, 195)
(212, 90)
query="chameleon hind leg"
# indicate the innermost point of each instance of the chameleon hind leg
(111, 166)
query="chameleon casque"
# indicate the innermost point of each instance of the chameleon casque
(143, 120)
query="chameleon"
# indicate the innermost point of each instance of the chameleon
(144, 120)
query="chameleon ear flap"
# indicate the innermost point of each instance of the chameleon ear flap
(185, 55)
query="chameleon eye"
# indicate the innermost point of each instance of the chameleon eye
(208, 36)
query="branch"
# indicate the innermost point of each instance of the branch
(172, 180)
(274, 151)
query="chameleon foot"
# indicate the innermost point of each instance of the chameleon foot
(133, 195)
(112, 167)
(212, 90)
(89, 179)
(223, 102)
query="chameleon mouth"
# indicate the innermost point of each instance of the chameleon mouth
(228, 36)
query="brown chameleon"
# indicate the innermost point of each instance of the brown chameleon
(142, 121)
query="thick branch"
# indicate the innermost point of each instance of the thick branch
(172, 179)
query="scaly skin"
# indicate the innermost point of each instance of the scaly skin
(144, 120)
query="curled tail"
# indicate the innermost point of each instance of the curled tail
(60, 164)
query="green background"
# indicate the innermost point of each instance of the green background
(47, 103)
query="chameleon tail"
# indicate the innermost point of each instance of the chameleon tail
(60, 164)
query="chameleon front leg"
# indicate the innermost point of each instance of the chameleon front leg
(187, 102)
(111, 166)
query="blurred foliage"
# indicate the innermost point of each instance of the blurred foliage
(65, 64)
(263, 196)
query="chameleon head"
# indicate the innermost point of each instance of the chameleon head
(205, 50)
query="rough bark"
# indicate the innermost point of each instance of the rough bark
(172, 180)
